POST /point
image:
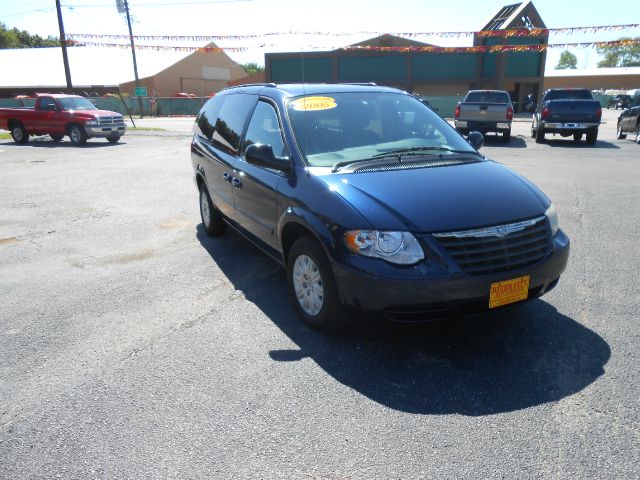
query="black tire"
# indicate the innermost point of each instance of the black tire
(506, 136)
(113, 139)
(19, 133)
(577, 137)
(318, 305)
(56, 138)
(77, 135)
(592, 136)
(638, 133)
(212, 219)
(539, 134)
(619, 134)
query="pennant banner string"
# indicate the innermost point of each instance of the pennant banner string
(426, 48)
(536, 32)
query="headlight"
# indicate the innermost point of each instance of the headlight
(552, 215)
(91, 123)
(401, 248)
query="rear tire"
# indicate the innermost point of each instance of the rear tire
(592, 136)
(619, 134)
(77, 135)
(539, 134)
(212, 219)
(577, 137)
(506, 136)
(312, 286)
(19, 133)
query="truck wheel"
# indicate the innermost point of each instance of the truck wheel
(506, 136)
(211, 217)
(592, 136)
(539, 134)
(113, 139)
(619, 134)
(56, 138)
(77, 135)
(312, 286)
(19, 133)
(577, 137)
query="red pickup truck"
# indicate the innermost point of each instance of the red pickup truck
(60, 115)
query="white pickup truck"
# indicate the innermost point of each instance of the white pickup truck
(485, 111)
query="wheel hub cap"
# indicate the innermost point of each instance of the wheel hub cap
(204, 208)
(307, 285)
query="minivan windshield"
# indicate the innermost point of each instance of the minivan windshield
(338, 128)
(74, 103)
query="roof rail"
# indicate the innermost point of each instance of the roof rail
(369, 84)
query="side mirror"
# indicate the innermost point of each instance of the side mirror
(262, 156)
(475, 139)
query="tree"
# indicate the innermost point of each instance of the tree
(252, 68)
(567, 60)
(14, 38)
(620, 55)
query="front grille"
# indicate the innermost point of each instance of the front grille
(497, 249)
(117, 119)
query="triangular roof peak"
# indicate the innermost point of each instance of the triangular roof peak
(387, 40)
(518, 15)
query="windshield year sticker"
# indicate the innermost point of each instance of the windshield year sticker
(307, 104)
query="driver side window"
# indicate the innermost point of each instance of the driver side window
(264, 128)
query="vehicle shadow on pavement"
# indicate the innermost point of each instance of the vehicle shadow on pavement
(495, 141)
(46, 143)
(569, 143)
(517, 359)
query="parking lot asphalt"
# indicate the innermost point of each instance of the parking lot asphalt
(133, 346)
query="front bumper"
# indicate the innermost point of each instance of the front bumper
(434, 292)
(117, 129)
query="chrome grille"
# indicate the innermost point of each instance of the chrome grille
(116, 119)
(501, 248)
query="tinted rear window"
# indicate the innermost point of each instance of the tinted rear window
(487, 97)
(569, 95)
(231, 120)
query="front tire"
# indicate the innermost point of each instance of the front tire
(113, 139)
(19, 134)
(619, 134)
(592, 136)
(312, 286)
(77, 135)
(212, 219)
(577, 137)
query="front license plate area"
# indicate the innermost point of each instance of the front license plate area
(509, 291)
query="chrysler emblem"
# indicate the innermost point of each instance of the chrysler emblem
(502, 231)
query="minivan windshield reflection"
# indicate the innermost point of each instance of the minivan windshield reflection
(340, 128)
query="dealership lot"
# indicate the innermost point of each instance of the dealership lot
(132, 345)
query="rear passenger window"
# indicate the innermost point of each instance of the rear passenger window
(232, 118)
(206, 119)
(264, 128)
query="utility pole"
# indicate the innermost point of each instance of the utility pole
(63, 44)
(133, 53)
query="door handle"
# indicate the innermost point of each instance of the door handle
(227, 176)
(236, 182)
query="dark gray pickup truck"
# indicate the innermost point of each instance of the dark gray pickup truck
(567, 112)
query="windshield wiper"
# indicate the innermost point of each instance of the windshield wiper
(400, 152)
(338, 165)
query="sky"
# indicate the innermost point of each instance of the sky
(328, 24)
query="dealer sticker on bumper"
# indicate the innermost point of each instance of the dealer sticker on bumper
(509, 291)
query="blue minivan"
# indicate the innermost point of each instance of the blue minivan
(371, 201)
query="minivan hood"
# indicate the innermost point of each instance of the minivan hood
(440, 199)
